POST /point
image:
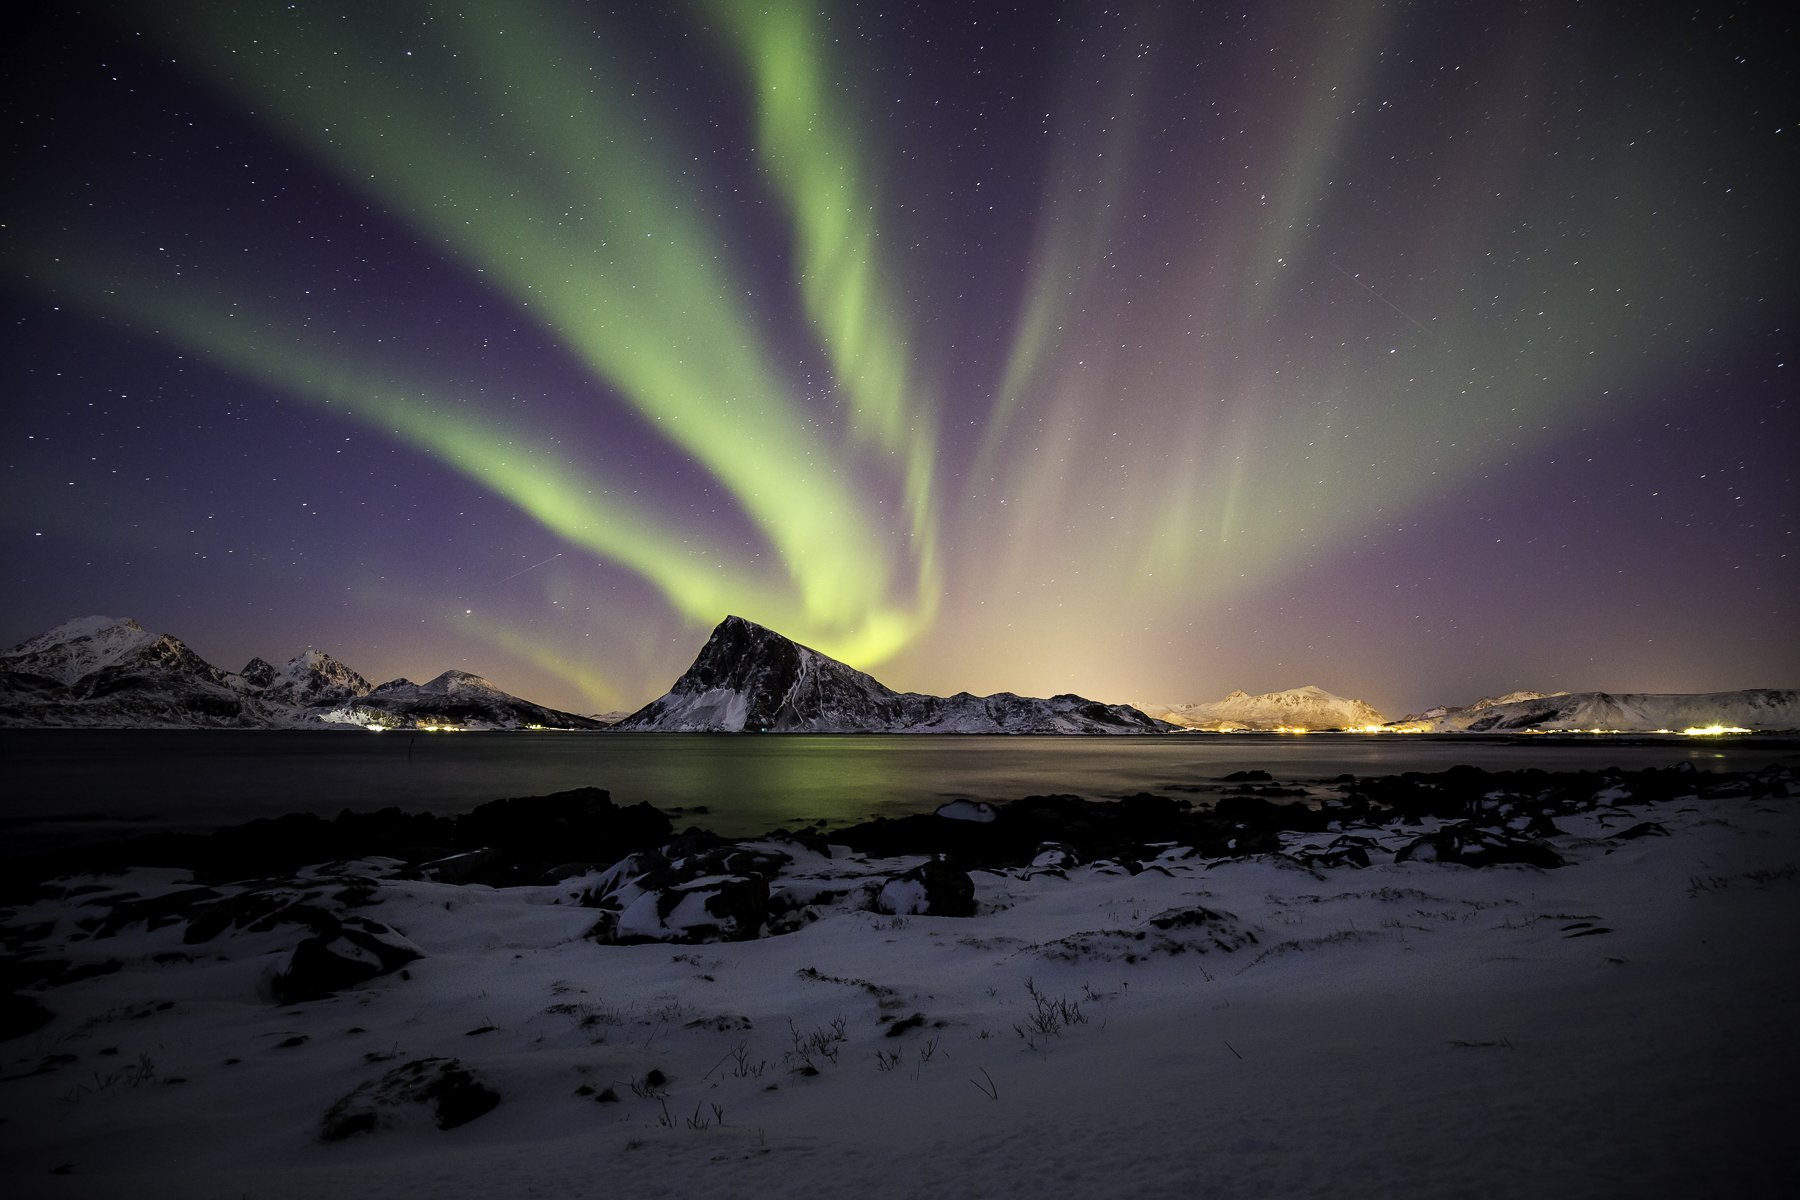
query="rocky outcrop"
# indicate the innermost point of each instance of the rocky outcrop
(450, 1092)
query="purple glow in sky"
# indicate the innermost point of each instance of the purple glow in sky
(1416, 351)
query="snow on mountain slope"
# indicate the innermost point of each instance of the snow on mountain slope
(77, 648)
(1626, 712)
(1297, 708)
(748, 678)
(112, 673)
(312, 679)
(1514, 698)
(109, 671)
(454, 698)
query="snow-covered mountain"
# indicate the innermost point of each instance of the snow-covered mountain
(1624, 712)
(313, 679)
(78, 648)
(1443, 710)
(751, 679)
(109, 672)
(1297, 708)
(112, 672)
(453, 698)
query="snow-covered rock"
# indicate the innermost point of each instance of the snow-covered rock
(968, 810)
(934, 888)
(751, 679)
(1297, 708)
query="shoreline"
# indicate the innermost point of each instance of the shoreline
(1112, 1007)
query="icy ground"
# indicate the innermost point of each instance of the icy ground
(1621, 1026)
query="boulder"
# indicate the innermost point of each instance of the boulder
(545, 830)
(934, 888)
(1473, 846)
(354, 952)
(967, 810)
(699, 890)
(449, 1090)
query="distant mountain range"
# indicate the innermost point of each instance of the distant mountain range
(1298, 708)
(751, 679)
(1614, 712)
(106, 672)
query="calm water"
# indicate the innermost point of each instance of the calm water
(64, 785)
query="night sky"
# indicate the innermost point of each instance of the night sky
(1419, 351)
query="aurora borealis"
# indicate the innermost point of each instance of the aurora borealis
(1145, 351)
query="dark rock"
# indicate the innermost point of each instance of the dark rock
(1473, 846)
(715, 892)
(540, 831)
(934, 888)
(1346, 850)
(1641, 829)
(471, 866)
(1258, 815)
(353, 953)
(1129, 829)
(1185, 918)
(20, 1015)
(528, 835)
(1053, 857)
(449, 1089)
(155, 913)
(260, 909)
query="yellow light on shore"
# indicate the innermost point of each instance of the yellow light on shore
(1713, 730)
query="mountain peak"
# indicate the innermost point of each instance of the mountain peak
(459, 681)
(1623, 712)
(78, 648)
(1306, 707)
(110, 672)
(750, 678)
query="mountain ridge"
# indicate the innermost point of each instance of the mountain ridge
(110, 672)
(107, 672)
(1755, 709)
(748, 678)
(1308, 707)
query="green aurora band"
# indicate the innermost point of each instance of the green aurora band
(593, 233)
(1167, 356)
(1148, 408)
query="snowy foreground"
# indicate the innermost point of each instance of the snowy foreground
(1623, 1025)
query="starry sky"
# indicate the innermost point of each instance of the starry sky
(1144, 350)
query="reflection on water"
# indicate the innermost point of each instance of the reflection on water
(63, 784)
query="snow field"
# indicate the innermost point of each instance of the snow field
(1621, 1026)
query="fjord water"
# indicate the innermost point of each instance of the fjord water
(64, 786)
